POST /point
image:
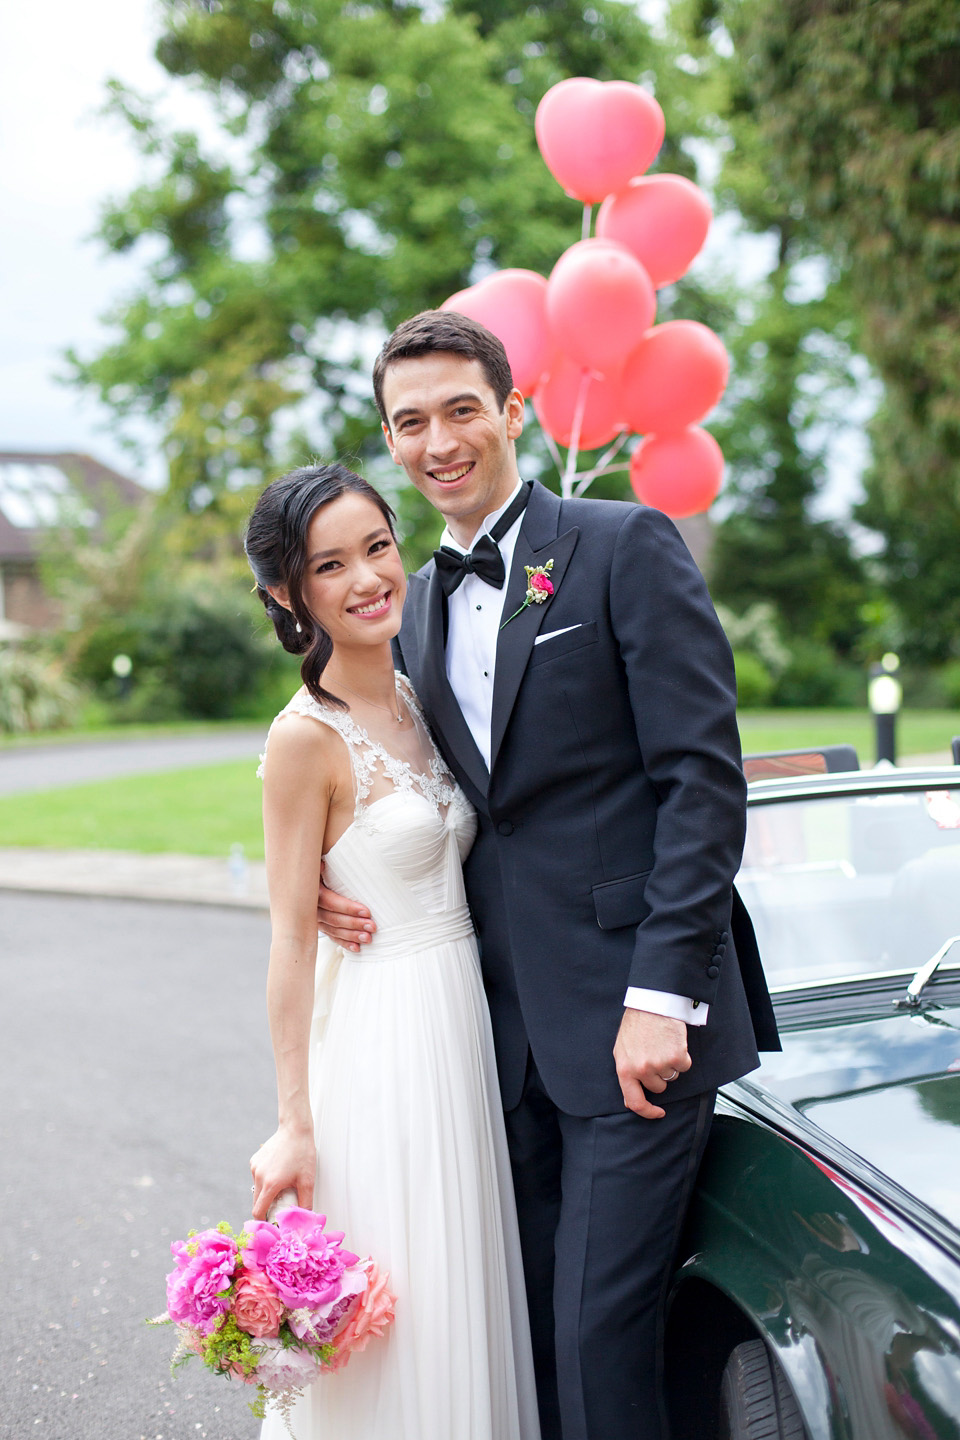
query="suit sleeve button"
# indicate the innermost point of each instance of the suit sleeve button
(713, 971)
(505, 827)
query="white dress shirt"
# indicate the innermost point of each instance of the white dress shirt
(474, 613)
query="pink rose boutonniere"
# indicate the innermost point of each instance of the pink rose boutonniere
(539, 588)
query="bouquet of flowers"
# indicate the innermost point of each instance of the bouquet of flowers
(275, 1306)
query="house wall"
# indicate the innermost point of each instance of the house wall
(23, 599)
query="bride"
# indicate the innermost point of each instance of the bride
(389, 1115)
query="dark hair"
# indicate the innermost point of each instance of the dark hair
(276, 546)
(444, 330)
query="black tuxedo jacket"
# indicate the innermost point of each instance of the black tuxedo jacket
(612, 818)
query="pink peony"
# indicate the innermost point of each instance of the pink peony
(374, 1314)
(205, 1268)
(284, 1369)
(542, 583)
(318, 1327)
(257, 1308)
(304, 1264)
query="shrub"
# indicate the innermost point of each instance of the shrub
(756, 632)
(754, 681)
(193, 654)
(35, 695)
(815, 677)
(950, 683)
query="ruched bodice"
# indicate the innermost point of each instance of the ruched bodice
(403, 861)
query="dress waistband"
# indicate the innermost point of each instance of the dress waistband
(392, 942)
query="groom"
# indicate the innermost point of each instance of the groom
(572, 667)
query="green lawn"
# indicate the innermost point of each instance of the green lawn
(200, 811)
(205, 810)
(919, 732)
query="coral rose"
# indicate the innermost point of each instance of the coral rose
(257, 1308)
(374, 1314)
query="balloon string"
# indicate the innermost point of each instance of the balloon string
(603, 467)
(570, 469)
(554, 450)
(585, 227)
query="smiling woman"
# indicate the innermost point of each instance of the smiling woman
(386, 1077)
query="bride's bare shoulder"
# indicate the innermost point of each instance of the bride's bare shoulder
(301, 746)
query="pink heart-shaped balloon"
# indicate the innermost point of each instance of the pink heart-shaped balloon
(596, 135)
(513, 305)
(678, 474)
(599, 304)
(662, 219)
(674, 377)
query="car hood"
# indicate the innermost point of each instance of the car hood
(888, 1089)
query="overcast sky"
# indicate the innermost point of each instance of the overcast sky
(61, 160)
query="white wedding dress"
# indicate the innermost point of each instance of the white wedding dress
(411, 1155)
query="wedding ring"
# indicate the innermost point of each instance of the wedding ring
(673, 1076)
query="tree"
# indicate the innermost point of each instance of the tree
(793, 342)
(382, 156)
(858, 103)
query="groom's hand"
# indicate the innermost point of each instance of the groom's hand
(649, 1050)
(343, 921)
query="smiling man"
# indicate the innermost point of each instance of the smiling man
(591, 721)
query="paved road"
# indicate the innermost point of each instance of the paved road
(137, 1078)
(45, 767)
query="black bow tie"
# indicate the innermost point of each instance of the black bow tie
(484, 559)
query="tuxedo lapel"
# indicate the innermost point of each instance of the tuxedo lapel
(537, 543)
(431, 683)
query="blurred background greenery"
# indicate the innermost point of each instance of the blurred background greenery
(372, 159)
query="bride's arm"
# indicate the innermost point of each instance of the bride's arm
(301, 782)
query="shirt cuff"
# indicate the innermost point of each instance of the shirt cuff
(659, 1002)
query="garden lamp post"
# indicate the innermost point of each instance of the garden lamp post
(122, 667)
(884, 693)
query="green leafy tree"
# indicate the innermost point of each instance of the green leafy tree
(793, 342)
(381, 157)
(859, 108)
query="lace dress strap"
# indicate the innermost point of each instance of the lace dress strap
(368, 755)
(360, 748)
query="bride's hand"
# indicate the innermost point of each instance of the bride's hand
(287, 1161)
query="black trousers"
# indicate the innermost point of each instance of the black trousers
(600, 1201)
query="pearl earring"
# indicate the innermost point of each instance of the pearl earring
(299, 628)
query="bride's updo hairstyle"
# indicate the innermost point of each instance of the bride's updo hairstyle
(276, 546)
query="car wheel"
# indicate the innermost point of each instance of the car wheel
(755, 1400)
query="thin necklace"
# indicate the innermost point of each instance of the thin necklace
(367, 701)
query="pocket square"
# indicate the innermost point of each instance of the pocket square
(552, 634)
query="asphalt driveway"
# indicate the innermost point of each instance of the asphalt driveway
(46, 767)
(137, 1081)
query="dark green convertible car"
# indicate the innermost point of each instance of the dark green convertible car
(818, 1290)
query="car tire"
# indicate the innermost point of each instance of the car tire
(756, 1402)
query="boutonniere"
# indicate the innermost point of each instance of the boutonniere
(539, 588)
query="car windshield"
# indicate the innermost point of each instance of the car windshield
(852, 884)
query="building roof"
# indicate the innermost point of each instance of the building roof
(36, 489)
